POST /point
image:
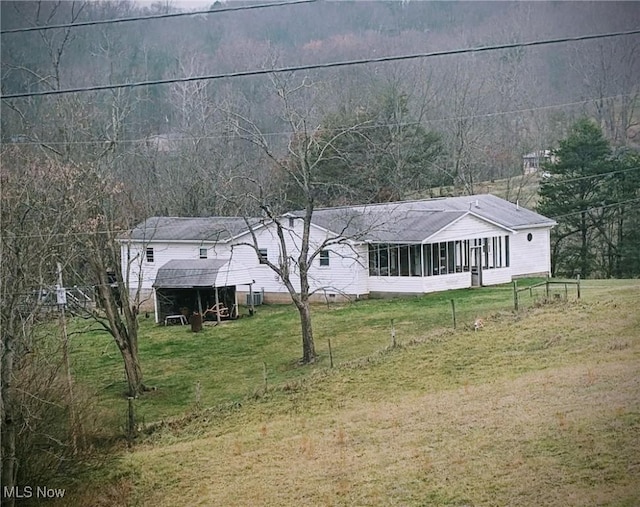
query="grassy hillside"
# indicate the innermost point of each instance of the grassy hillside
(539, 408)
(522, 188)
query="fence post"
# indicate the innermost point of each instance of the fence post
(453, 310)
(264, 376)
(547, 288)
(578, 286)
(198, 394)
(515, 295)
(330, 353)
(393, 335)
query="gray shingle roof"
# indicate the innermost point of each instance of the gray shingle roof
(400, 222)
(414, 221)
(206, 229)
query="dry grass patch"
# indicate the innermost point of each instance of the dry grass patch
(539, 409)
(545, 438)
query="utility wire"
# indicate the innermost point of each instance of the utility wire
(595, 208)
(181, 138)
(216, 238)
(154, 16)
(555, 178)
(328, 65)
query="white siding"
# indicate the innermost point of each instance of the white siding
(344, 275)
(468, 227)
(163, 252)
(397, 284)
(447, 282)
(417, 284)
(530, 257)
(496, 276)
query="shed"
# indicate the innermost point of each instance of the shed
(186, 286)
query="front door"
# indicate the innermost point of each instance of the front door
(476, 266)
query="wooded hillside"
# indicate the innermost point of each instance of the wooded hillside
(178, 149)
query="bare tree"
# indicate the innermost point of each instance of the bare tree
(464, 133)
(305, 151)
(32, 234)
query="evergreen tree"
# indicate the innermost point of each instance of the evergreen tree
(576, 191)
(384, 154)
(624, 240)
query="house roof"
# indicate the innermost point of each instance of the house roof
(414, 221)
(192, 273)
(205, 229)
(400, 222)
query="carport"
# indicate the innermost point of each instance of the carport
(206, 286)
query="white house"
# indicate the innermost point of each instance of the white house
(409, 247)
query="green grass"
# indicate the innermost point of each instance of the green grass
(229, 360)
(523, 188)
(538, 408)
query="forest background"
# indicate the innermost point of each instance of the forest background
(80, 168)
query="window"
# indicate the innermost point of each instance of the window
(384, 260)
(262, 255)
(451, 257)
(393, 260)
(416, 260)
(506, 251)
(374, 268)
(203, 253)
(149, 254)
(404, 260)
(324, 257)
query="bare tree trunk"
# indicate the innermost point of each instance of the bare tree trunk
(133, 371)
(123, 328)
(7, 422)
(584, 246)
(308, 345)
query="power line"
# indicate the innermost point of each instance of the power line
(154, 16)
(345, 63)
(551, 178)
(596, 208)
(159, 137)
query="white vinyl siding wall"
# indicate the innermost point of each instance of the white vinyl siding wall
(468, 227)
(531, 257)
(344, 275)
(163, 252)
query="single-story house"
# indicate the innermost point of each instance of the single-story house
(409, 247)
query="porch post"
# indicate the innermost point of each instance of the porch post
(155, 306)
(199, 302)
(217, 306)
(235, 307)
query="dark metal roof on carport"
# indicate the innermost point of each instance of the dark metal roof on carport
(193, 273)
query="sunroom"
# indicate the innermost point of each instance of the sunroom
(462, 262)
